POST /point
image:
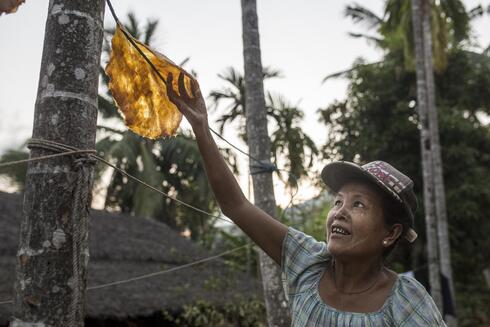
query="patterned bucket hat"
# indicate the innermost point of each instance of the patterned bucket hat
(388, 178)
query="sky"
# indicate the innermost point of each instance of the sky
(306, 40)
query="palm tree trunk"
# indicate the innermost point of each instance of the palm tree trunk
(259, 147)
(53, 246)
(426, 150)
(437, 169)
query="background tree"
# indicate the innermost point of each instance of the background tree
(289, 143)
(378, 121)
(53, 246)
(259, 146)
(233, 97)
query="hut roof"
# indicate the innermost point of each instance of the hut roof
(122, 247)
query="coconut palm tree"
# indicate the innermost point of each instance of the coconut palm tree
(289, 142)
(233, 97)
(394, 33)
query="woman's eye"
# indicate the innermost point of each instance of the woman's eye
(337, 203)
(358, 204)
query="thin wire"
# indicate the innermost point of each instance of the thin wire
(240, 150)
(124, 281)
(12, 163)
(55, 146)
(157, 190)
(158, 273)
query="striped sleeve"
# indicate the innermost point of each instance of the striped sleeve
(301, 259)
(413, 306)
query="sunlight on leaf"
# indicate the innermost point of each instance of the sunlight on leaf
(9, 6)
(139, 92)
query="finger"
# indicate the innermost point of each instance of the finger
(196, 91)
(170, 91)
(182, 90)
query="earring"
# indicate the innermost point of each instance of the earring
(385, 243)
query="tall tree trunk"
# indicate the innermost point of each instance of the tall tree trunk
(426, 150)
(437, 169)
(259, 147)
(53, 247)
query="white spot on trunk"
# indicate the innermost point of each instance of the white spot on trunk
(46, 244)
(54, 119)
(56, 289)
(25, 282)
(29, 252)
(63, 19)
(80, 73)
(51, 68)
(44, 81)
(70, 282)
(20, 323)
(50, 88)
(59, 238)
(56, 9)
(58, 50)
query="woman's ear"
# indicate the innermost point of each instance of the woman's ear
(393, 233)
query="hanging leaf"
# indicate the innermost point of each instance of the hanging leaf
(139, 92)
(9, 6)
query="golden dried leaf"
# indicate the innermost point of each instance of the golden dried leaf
(140, 94)
(9, 6)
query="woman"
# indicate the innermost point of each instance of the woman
(342, 282)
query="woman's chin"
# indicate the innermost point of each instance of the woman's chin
(335, 249)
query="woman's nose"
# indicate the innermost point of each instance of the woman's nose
(341, 214)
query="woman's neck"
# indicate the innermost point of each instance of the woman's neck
(356, 276)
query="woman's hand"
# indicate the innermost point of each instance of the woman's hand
(191, 106)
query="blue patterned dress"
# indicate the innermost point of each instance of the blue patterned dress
(304, 261)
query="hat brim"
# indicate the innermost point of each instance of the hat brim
(338, 173)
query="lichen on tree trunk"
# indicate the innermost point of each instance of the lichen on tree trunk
(53, 246)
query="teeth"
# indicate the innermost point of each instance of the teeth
(339, 230)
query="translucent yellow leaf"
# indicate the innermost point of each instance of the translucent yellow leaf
(9, 6)
(139, 92)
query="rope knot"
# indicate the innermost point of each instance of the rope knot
(85, 160)
(263, 167)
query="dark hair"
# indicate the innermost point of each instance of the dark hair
(394, 213)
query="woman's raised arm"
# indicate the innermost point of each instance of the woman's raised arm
(265, 231)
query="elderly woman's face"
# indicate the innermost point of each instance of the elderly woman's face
(355, 224)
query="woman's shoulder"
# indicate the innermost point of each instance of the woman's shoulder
(305, 242)
(408, 285)
(411, 304)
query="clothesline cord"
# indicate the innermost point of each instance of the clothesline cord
(157, 273)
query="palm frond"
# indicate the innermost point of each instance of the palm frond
(371, 38)
(476, 12)
(344, 73)
(150, 29)
(360, 14)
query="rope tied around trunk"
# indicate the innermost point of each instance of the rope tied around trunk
(83, 163)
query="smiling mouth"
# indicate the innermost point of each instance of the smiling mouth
(339, 230)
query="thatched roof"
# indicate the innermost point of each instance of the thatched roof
(122, 247)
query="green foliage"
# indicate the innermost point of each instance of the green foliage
(249, 313)
(394, 32)
(310, 216)
(233, 98)
(16, 173)
(378, 121)
(289, 142)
